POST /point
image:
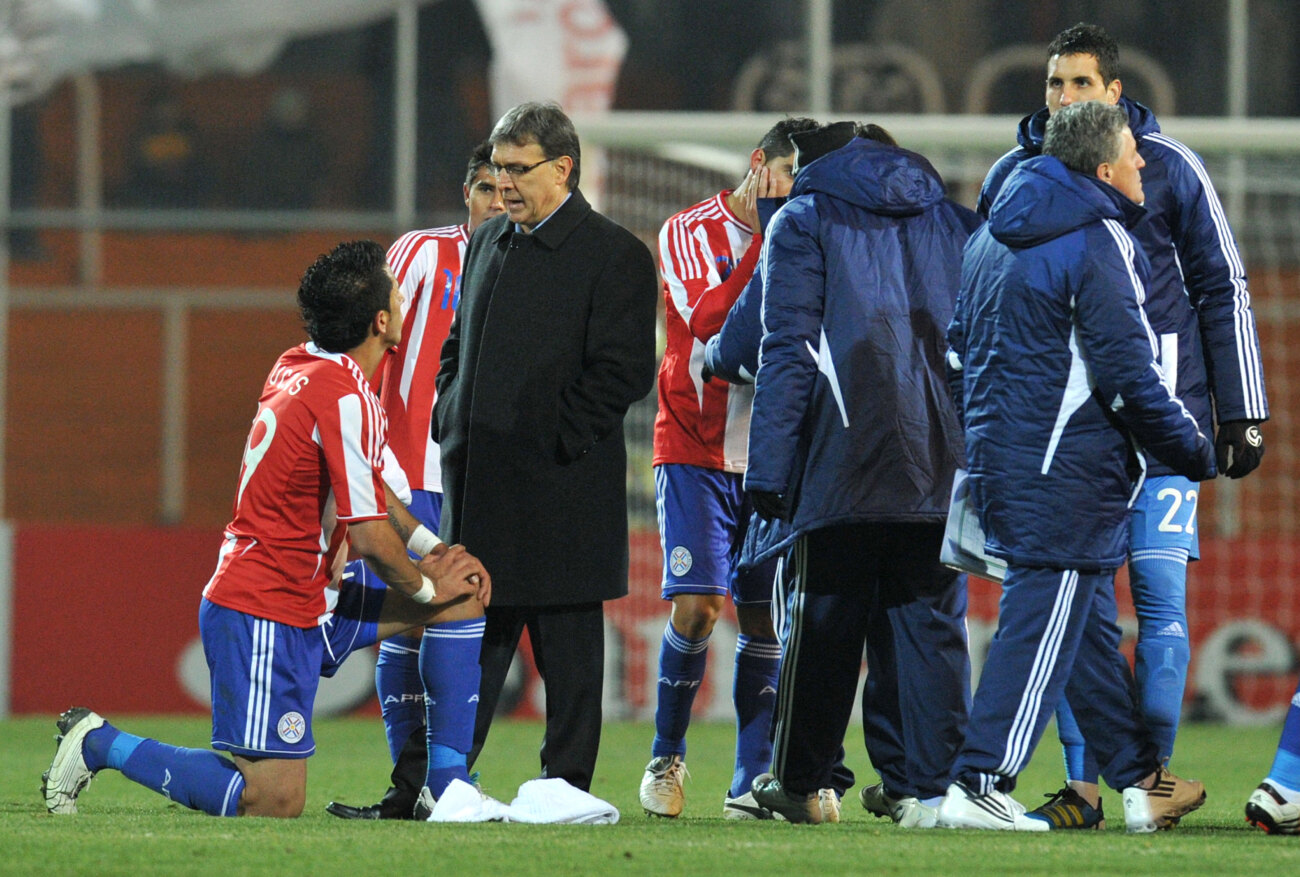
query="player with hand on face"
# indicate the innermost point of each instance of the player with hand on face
(311, 473)
(1199, 307)
(707, 254)
(427, 684)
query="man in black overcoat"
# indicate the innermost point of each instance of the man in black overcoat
(554, 338)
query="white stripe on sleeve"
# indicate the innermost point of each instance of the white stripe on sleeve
(359, 456)
(1243, 319)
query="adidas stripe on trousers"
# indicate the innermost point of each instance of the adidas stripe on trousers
(1057, 634)
(881, 585)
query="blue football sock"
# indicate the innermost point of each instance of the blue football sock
(1286, 763)
(400, 690)
(197, 778)
(1080, 765)
(758, 662)
(681, 670)
(1158, 578)
(449, 655)
(96, 745)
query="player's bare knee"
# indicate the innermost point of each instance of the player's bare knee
(756, 620)
(273, 787)
(271, 802)
(694, 615)
(463, 609)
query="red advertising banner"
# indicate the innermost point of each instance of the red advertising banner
(102, 616)
(112, 622)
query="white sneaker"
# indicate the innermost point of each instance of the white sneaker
(997, 810)
(461, 802)
(910, 812)
(745, 807)
(1267, 809)
(662, 792)
(906, 812)
(68, 774)
(1169, 800)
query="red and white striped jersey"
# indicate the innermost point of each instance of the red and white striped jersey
(313, 459)
(427, 266)
(706, 256)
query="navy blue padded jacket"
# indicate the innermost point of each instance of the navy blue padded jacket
(1054, 364)
(852, 419)
(1197, 300)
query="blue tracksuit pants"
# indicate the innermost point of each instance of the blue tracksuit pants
(1057, 635)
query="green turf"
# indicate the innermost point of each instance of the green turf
(124, 829)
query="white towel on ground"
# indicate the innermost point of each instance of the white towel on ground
(555, 801)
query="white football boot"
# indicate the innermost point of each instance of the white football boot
(68, 775)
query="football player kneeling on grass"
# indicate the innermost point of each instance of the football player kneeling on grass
(311, 474)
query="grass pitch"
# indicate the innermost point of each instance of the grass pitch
(124, 829)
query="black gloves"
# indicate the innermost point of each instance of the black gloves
(1238, 447)
(769, 506)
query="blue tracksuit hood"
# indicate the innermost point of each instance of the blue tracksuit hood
(1033, 127)
(1042, 199)
(879, 178)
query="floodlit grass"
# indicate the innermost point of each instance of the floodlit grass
(124, 829)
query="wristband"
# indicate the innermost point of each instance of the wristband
(423, 540)
(426, 592)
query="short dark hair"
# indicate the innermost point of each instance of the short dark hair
(1085, 135)
(546, 125)
(872, 131)
(776, 142)
(341, 292)
(1088, 39)
(481, 157)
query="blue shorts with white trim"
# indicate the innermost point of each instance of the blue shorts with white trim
(703, 515)
(264, 677)
(351, 624)
(1164, 516)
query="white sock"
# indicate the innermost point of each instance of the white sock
(1291, 796)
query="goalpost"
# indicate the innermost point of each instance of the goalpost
(1243, 599)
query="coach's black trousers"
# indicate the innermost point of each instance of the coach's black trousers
(569, 649)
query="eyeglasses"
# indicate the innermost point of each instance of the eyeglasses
(515, 171)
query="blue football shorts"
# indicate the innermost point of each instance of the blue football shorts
(264, 676)
(347, 634)
(703, 515)
(352, 622)
(1164, 516)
